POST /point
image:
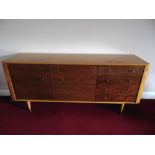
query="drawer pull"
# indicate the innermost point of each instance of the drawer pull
(130, 81)
(132, 70)
(38, 79)
(107, 80)
(42, 79)
(60, 79)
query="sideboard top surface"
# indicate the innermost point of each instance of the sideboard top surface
(76, 59)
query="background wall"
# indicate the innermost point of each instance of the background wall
(80, 36)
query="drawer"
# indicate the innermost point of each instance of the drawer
(120, 70)
(118, 83)
(105, 96)
(74, 82)
(107, 80)
(122, 90)
(120, 98)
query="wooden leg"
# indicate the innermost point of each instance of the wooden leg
(29, 105)
(122, 107)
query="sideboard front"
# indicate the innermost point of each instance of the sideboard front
(76, 82)
(53, 82)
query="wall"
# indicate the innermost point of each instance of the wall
(80, 36)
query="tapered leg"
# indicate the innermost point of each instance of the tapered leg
(29, 105)
(122, 107)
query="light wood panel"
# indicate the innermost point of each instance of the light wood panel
(76, 59)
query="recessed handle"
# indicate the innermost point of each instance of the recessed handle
(130, 81)
(125, 98)
(61, 79)
(108, 80)
(42, 79)
(127, 89)
(132, 70)
(39, 79)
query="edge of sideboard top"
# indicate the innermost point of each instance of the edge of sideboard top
(76, 59)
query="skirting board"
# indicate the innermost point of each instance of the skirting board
(4, 92)
(146, 95)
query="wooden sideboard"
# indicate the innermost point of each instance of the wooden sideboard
(78, 78)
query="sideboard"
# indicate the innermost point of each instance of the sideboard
(76, 78)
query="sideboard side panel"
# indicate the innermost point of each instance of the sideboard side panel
(9, 81)
(146, 68)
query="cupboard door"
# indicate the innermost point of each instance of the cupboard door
(118, 83)
(74, 82)
(31, 81)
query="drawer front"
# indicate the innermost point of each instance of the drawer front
(31, 81)
(120, 98)
(74, 82)
(133, 71)
(118, 83)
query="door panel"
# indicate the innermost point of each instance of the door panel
(31, 81)
(74, 82)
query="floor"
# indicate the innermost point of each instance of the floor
(76, 119)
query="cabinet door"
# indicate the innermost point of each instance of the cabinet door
(118, 83)
(31, 81)
(74, 82)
